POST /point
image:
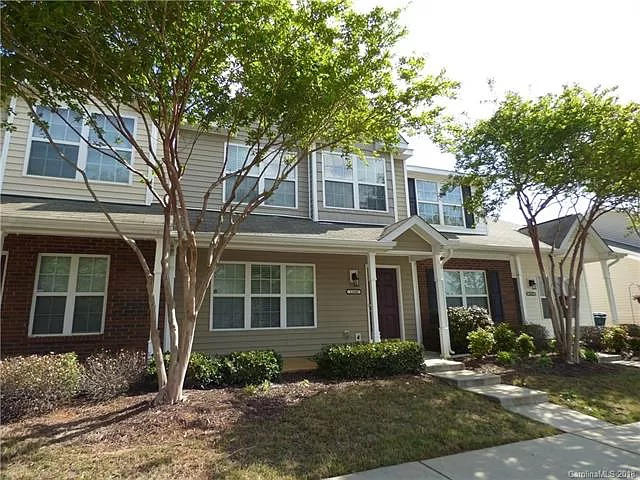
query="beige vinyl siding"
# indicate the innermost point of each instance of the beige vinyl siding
(625, 280)
(339, 316)
(411, 241)
(401, 189)
(532, 302)
(406, 284)
(15, 183)
(354, 215)
(206, 159)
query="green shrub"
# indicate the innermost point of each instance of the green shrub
(253, 368)
(238, 368)
(545, 361)
(365, 360)
(464, 320)
(37, 384)
(538, 333)
(588, 355)
(106, 374)
(524, 345)
(632, 329)
(505, 338)
(634, 345)
(481, 342)
(591, 338)
(614, 339)
(506, 358)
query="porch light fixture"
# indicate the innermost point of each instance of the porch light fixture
(532, 284)
(354, 278)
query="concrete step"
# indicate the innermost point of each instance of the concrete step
(627, 363)
(433, 365)
(559, 417)
(608, 357)
(510, 395)
(467, 378)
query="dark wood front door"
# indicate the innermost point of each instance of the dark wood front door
(388, 306)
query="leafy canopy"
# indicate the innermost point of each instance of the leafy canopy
(569, 146)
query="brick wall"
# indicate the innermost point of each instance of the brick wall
(126, 318)
(509, 295)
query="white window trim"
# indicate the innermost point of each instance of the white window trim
(441, 204)
(292, 177)
(355, 182)
(283, 295)
(464, 295)
(83, 152)
(70, 295)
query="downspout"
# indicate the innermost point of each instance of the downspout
(7, 140)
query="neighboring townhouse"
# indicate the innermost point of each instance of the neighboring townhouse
(364, 251)
(615, 285)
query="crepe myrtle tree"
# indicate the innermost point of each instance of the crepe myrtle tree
(577, 152)
(288, 78)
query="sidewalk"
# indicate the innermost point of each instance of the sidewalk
(609, 452)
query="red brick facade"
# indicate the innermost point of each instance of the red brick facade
(126, 319)
(508, 293)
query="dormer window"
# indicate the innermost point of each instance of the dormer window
(439, 209)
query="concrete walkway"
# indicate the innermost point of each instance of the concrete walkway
(583, 454)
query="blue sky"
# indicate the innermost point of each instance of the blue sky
(532, 47)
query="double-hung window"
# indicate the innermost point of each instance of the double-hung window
(355, 183)
(260, 178)
(69, 294)
(98, 160)
(544, 297)
(439, 208)
(259, 295)
(466, 288)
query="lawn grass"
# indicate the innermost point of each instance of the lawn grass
(298, 430)
(608, 392)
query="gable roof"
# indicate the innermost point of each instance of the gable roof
(613, 227)
(417, 225)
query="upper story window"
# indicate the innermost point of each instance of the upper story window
(439, 209)
(96, 161)
(259, 179)
(69, 294)
(354, 183)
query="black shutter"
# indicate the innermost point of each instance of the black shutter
(430, 324)
(413, 205)
(516, 290)
(495, 296)
(469, 218)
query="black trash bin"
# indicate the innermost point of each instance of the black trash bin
(599, 318)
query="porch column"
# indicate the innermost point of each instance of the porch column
(373, 295)
(613, 308)
(157, 281)
(416, 301)
(172, 276)
(438, 273)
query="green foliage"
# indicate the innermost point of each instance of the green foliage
(206, 371)
(252, 390)
(632, 329)
(544, 361)
(506, 358)
(634, 345)
(588, 355)
(481, 342)
(539, 334)
(106, 374)
(505, 338)
(614, 339)
(37, 384)
(464, 320)
(365, 360)
(524, 345)
(591, 337)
